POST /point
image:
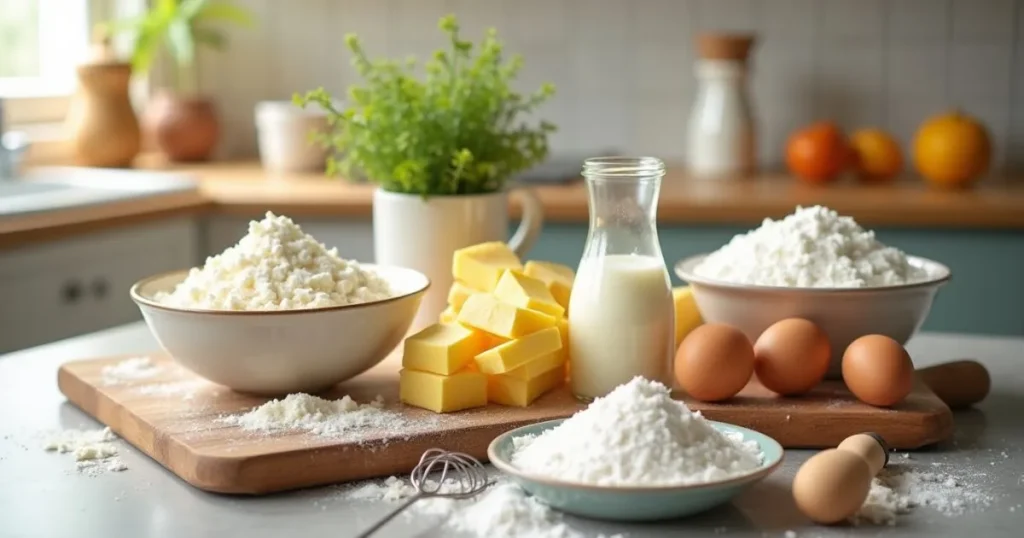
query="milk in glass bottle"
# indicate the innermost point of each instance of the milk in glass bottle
(621, 318)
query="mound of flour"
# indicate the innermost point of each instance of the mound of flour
(814, 247)
(636, 436)
(326, 418)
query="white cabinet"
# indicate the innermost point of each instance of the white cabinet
(63, 288)
(352, 237)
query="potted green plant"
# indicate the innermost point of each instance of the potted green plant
(182, 123)
(441, 148)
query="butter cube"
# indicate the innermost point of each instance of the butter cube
(558, 278)
(537, 366)
(485, 312)
(563, 331)
(442, 393)
(448, 315)
(442, 348)
(480, 266)
(507, 390)
(517, 289)
(513, 354)
(458, 294)
(687, 315)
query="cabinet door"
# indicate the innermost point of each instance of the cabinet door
(65, 288)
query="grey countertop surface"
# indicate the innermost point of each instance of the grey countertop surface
(42, 495)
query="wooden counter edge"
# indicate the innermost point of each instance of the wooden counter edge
(62, 224)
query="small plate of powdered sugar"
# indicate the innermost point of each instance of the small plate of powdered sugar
(635, 455)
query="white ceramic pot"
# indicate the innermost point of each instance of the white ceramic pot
(284, 132)
(423, 234)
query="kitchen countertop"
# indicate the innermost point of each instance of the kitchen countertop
(42, 495)
(243, 188)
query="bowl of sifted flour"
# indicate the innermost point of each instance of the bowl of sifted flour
(635, 454)
(280, 313)
(817, 265)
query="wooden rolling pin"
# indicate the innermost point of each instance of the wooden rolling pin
(959, 384)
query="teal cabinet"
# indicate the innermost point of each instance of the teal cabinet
(985, 296)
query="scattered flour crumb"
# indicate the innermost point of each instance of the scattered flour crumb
(185, 389)
(315, 415)
(898, 491)
(636, 435)
(94, 450)
(507, 512)
(128, 370)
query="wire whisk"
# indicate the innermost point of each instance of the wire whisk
(461, 476)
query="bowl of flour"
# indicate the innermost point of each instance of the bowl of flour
(818, 265)
(279, 312)
(635, 454)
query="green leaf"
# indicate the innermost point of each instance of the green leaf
(179, 37)
(188, 9)
(215, 39)
(222, 11)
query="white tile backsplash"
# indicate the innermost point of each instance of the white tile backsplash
(791, 20)
(981, 70)
(853, 20)
(983, 21)
(729, 15)
(624, 68)
(916, 69)
(911, 21)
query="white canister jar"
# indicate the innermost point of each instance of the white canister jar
(721, 138)
(285, 136)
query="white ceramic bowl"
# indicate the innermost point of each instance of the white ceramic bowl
(280, 352)
(845, 314)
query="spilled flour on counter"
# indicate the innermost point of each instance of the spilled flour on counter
(184, 389)
(899, 490)
(320, 417)
(507, 512)
(94, 450)
(133, 369)
(636, 436)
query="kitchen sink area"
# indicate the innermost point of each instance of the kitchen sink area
(52, 188)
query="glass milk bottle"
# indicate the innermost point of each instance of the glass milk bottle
(621, 316)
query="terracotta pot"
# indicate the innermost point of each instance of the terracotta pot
(104, 128)
(183, 128)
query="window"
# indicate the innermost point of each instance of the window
(41, 41)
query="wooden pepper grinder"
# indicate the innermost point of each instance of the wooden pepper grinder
(833, 484)
(104, 128)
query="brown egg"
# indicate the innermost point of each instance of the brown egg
(792, 356)
(714, 362)
(831, 485)
(877, 370)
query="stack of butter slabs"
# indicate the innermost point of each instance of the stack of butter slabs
(503, 337)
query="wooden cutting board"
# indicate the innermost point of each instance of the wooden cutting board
(173, 417)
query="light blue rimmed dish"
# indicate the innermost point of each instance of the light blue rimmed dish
(632, 503)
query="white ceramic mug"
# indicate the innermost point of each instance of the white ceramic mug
(423, 234)
(284, 135)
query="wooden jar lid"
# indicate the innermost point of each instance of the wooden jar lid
(734, 47)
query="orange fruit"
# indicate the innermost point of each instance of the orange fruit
(952, 150)
(876, 155)
(817, 153)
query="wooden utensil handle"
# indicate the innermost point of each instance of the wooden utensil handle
(959, 383)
